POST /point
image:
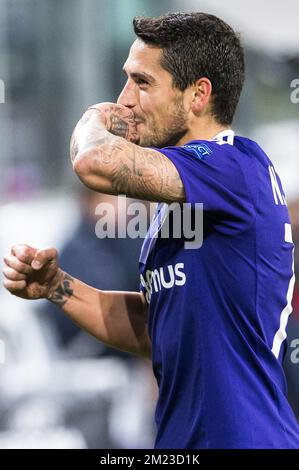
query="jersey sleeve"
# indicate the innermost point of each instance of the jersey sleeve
(212, 175)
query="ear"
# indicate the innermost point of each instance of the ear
(201, 95)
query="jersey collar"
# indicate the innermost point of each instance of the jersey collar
(226, 136)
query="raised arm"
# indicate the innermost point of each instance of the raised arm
(118, 319)
(107, 162)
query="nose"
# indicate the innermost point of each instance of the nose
(127, 96)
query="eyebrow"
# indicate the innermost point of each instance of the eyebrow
(140, 75)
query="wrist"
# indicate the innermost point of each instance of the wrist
(61, 289)
(89, 132)
(102, 117)
(55, 285)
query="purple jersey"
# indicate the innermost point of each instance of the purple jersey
(217, 313)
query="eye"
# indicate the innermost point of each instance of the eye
(141, 83)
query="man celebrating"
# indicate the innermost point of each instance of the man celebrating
(212, 319)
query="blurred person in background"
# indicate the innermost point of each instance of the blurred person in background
(209, 319)
(105, 263)
(101, 263)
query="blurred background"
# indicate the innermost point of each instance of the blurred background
(60, 388)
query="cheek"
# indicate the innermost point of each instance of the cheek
(156, 109)
(146, 102)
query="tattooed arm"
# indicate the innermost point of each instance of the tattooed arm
(118, 319)
(106, 159)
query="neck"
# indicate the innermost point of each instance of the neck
(204, 130)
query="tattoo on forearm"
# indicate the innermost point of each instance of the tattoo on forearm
(135, 171)
(64, 291)
(132, 170)
(99, 132)
(143, 173)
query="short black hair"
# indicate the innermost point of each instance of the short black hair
(198, 45)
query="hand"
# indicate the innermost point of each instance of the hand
(118, 119)
(92, 128)
(30, 273)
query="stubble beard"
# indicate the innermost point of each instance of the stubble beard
(171, 133)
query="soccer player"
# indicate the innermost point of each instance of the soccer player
(211, 318)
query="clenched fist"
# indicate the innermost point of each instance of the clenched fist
(92, 128)
(31, 273)
(118, 119)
